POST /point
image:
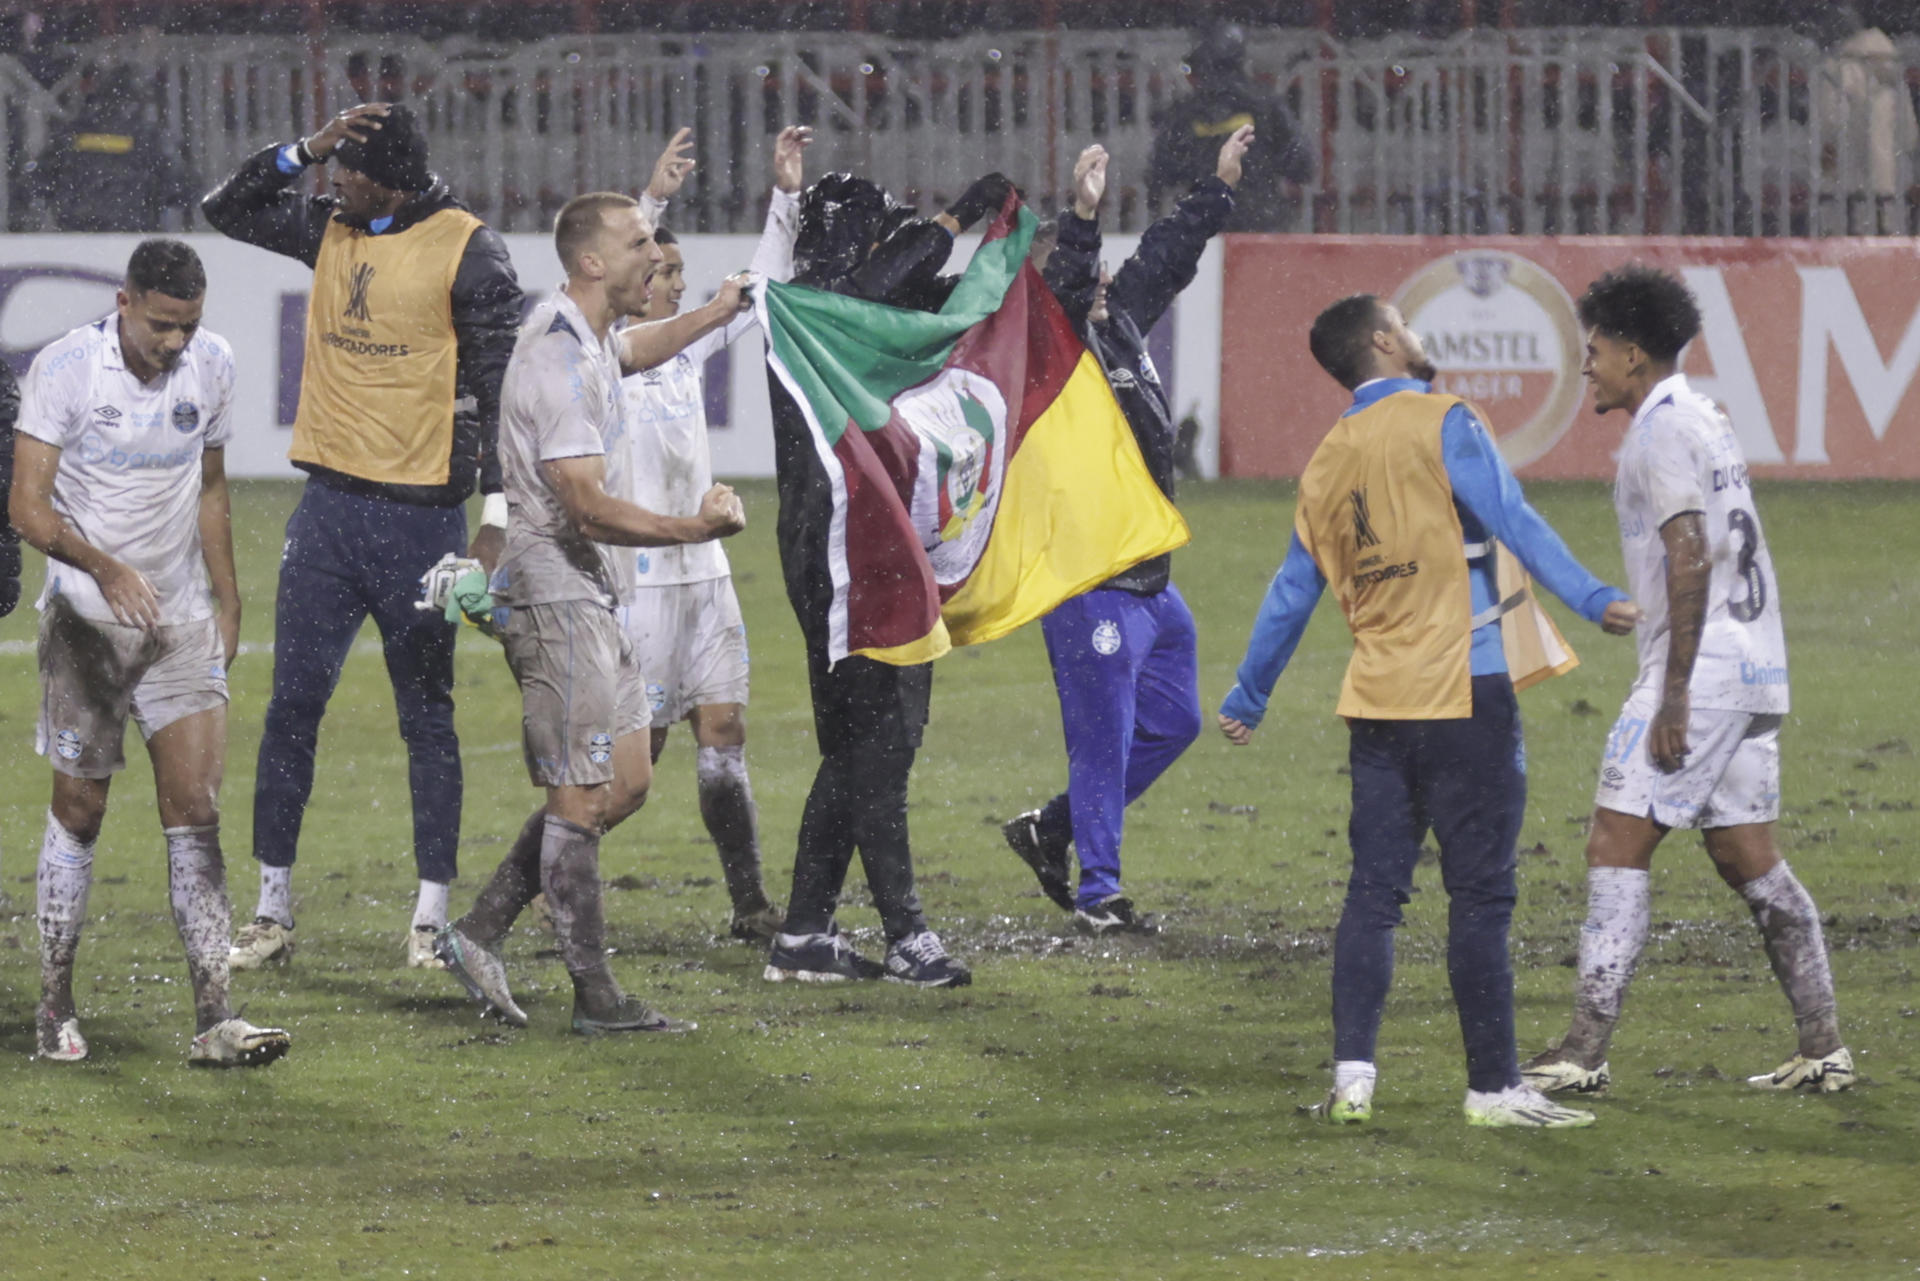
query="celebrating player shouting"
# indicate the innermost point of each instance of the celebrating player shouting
(1698, 742)
(567, 460)
(684, 618)
(121, 481)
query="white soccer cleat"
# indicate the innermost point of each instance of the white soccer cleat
(237, 1043)
(259, 942)
(59, 1039)
(420, 953)
(1350, 1106)
(480, 970)
(1552, 1075)
(1829, 1074)
(1522, 1106)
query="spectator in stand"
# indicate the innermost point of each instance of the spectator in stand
(1186, 145)
(106, 168)
(1868, 130)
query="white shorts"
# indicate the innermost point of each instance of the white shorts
(693, 644)
(1731, 776)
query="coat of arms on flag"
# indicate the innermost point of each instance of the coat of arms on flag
(981, 470)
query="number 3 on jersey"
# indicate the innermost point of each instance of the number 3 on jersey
(1748, 599)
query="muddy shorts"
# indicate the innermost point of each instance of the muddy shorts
(693, 644)
(1731, 776)
(581, 690)
(94, 675)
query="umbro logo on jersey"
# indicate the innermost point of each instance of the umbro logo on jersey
(1364, 535)
(357, 285)
(107, 415)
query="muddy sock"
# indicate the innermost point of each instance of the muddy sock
(430, 907)
(1618, 914)
(197, 885)
(1790, 930)
(64, 878)
(514, 884)
(570, 874)
(276, 895)
(726, 804)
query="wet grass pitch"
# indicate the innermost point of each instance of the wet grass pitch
(1086, 1109)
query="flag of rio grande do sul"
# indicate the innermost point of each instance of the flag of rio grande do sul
(981, 470)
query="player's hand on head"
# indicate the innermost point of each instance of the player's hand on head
(356, 123)
(1232, 152)
(1621, 617)
(129, 595)
(671, 169)
(1090, 181)
(722, 511)
(1238, 733)
(789, 153)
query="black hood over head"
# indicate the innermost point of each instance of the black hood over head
(841, 218)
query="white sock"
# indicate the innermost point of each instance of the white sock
(1348, 1072)
(430, 909)
(65, 876)
(197, 887)
(1619, 913)
(276, 894)
(1797, 948)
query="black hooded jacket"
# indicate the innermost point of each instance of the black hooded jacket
(1142, 290)
(9, 537)
(258, 206)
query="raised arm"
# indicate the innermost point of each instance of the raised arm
(580, 484)
(1170, 249)
(1073, 268)
(657, 341)
(257, 204)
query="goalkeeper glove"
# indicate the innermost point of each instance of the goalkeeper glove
(457, 586)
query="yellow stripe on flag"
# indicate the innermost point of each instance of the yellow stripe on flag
(1077, 507)
(935, 644)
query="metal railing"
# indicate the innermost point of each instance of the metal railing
(1552, 131)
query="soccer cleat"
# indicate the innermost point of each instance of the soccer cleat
(260, 941)
(921, 959)
(1114, 915)
(59, 1039)
(630, 1015)
(420, 950)
(1048, 859)
(1522, 1106)
(480, 971)
(1351, 1106)
(817, 958)
(758, 926)
(1551, 1074)
(1826, 1075)
(237, 1043)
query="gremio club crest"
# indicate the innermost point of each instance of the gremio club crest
(1505, 336)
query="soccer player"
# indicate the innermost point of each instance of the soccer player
(409, 326)
(684, 619)
(121, 481)
(1697, 744)
(567, 461)
(1404, 508)
(868, 716)
(1124, 654)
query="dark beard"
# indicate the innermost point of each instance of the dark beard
(1424, 371)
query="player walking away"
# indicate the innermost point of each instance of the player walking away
(1404, 508)
(868, 716)
(1123, 655)
(409, 326)
(565, 571)
(684, 618)
(121, 480)
(1697, 744)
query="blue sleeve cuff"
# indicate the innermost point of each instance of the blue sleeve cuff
(287, 159)
(1241, 706)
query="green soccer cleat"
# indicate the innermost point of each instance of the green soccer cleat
(1828, 1074)
(1522, 1107)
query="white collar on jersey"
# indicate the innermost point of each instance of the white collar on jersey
(1674, 384)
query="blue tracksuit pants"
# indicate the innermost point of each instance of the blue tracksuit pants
(1466, 781)
(347, 557)
(1129, 681)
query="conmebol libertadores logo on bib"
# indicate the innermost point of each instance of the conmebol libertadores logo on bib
(1504, 334)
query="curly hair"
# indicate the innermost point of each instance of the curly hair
(1644, 306)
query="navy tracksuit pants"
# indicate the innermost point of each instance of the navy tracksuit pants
(1128, 675)
(348, 556)
(1466, 781)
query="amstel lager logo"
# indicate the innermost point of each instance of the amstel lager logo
(1503, 334)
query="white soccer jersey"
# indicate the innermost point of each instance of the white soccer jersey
(560, 398)
(129, 477)
(666, 410)
(1680, 456)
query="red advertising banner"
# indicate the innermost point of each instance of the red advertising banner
(1812, 346)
